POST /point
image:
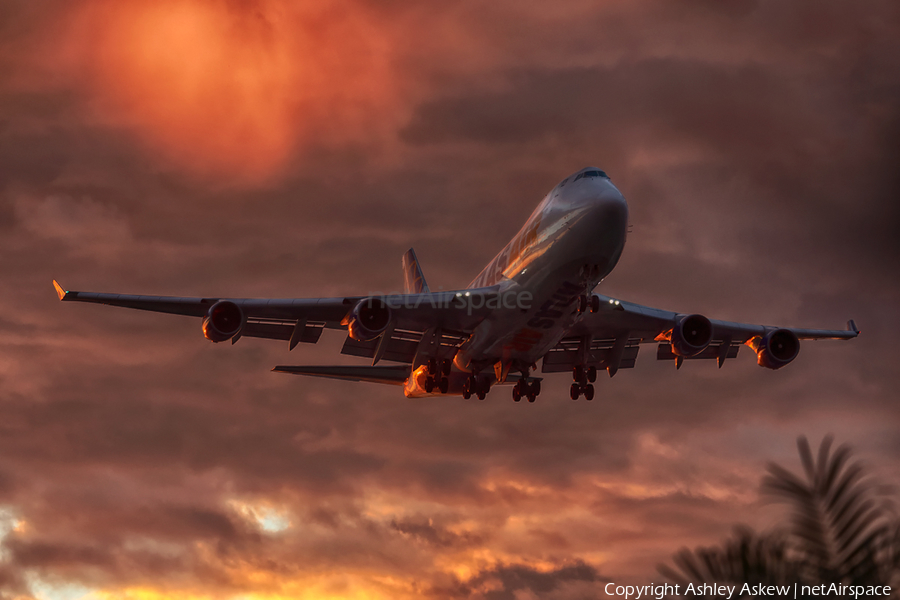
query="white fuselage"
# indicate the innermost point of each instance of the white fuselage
(572, 240)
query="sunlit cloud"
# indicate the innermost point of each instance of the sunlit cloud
(228, 89)
(9, 522)
(268, 518)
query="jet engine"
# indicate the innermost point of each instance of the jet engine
(368, 319)
(691, 335)
(776, 349)
(223, 321)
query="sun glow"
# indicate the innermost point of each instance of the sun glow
(289, 591)
(225, 88)
(269, 518)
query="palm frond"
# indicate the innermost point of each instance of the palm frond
(747, 557)
(837, 520)
(841, 530)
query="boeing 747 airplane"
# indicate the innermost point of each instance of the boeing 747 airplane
(532, 303)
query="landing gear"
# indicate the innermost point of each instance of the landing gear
(583, 303)
(525, 388)
(437, 375)
(582, 376)
(588, 301)
(577, 389)
(478, 385)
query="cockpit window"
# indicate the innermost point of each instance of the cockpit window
(592, 174)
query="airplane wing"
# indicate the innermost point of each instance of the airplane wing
(610, 337)
(433, 318)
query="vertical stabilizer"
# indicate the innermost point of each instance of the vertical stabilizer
(413, 280)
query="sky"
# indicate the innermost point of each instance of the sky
(253, 148)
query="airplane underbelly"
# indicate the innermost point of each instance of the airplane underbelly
(523, 337)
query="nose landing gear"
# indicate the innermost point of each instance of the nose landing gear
(588, 301)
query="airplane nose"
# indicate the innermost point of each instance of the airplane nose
(612, 206)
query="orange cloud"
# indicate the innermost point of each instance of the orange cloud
(226, 88)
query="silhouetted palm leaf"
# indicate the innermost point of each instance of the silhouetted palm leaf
(841, 531)
(745, 558)
(838, 520)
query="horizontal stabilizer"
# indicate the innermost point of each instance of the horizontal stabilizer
(392, 375)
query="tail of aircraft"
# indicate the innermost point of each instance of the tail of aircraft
(413, 280)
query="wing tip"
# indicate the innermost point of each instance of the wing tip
(59, 290)
(851, 326)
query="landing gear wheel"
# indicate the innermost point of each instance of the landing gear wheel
(578, 373)
(595, 304)
(532, 396)
(444, 385)
(466, 393)
(478, 385)
(575, 391)
(429, 384)
(588, 392)
(582, 303)
(517, 394)
(592, 374)
(432, 365)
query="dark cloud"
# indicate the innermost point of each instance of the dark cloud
(7, 484)
(798, 145)
(507, 581)
(426, 532)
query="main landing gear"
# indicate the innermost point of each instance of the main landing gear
(437, 375)
(478, 385)
(527, 388)
(583, 378)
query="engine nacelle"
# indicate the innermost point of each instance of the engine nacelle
(776, 349)
(368, 319)
(691, 335)
(223, 321)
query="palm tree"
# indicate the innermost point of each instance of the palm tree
(842, 530)
(745, 558)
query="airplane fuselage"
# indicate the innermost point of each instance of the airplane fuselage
(572, 240)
